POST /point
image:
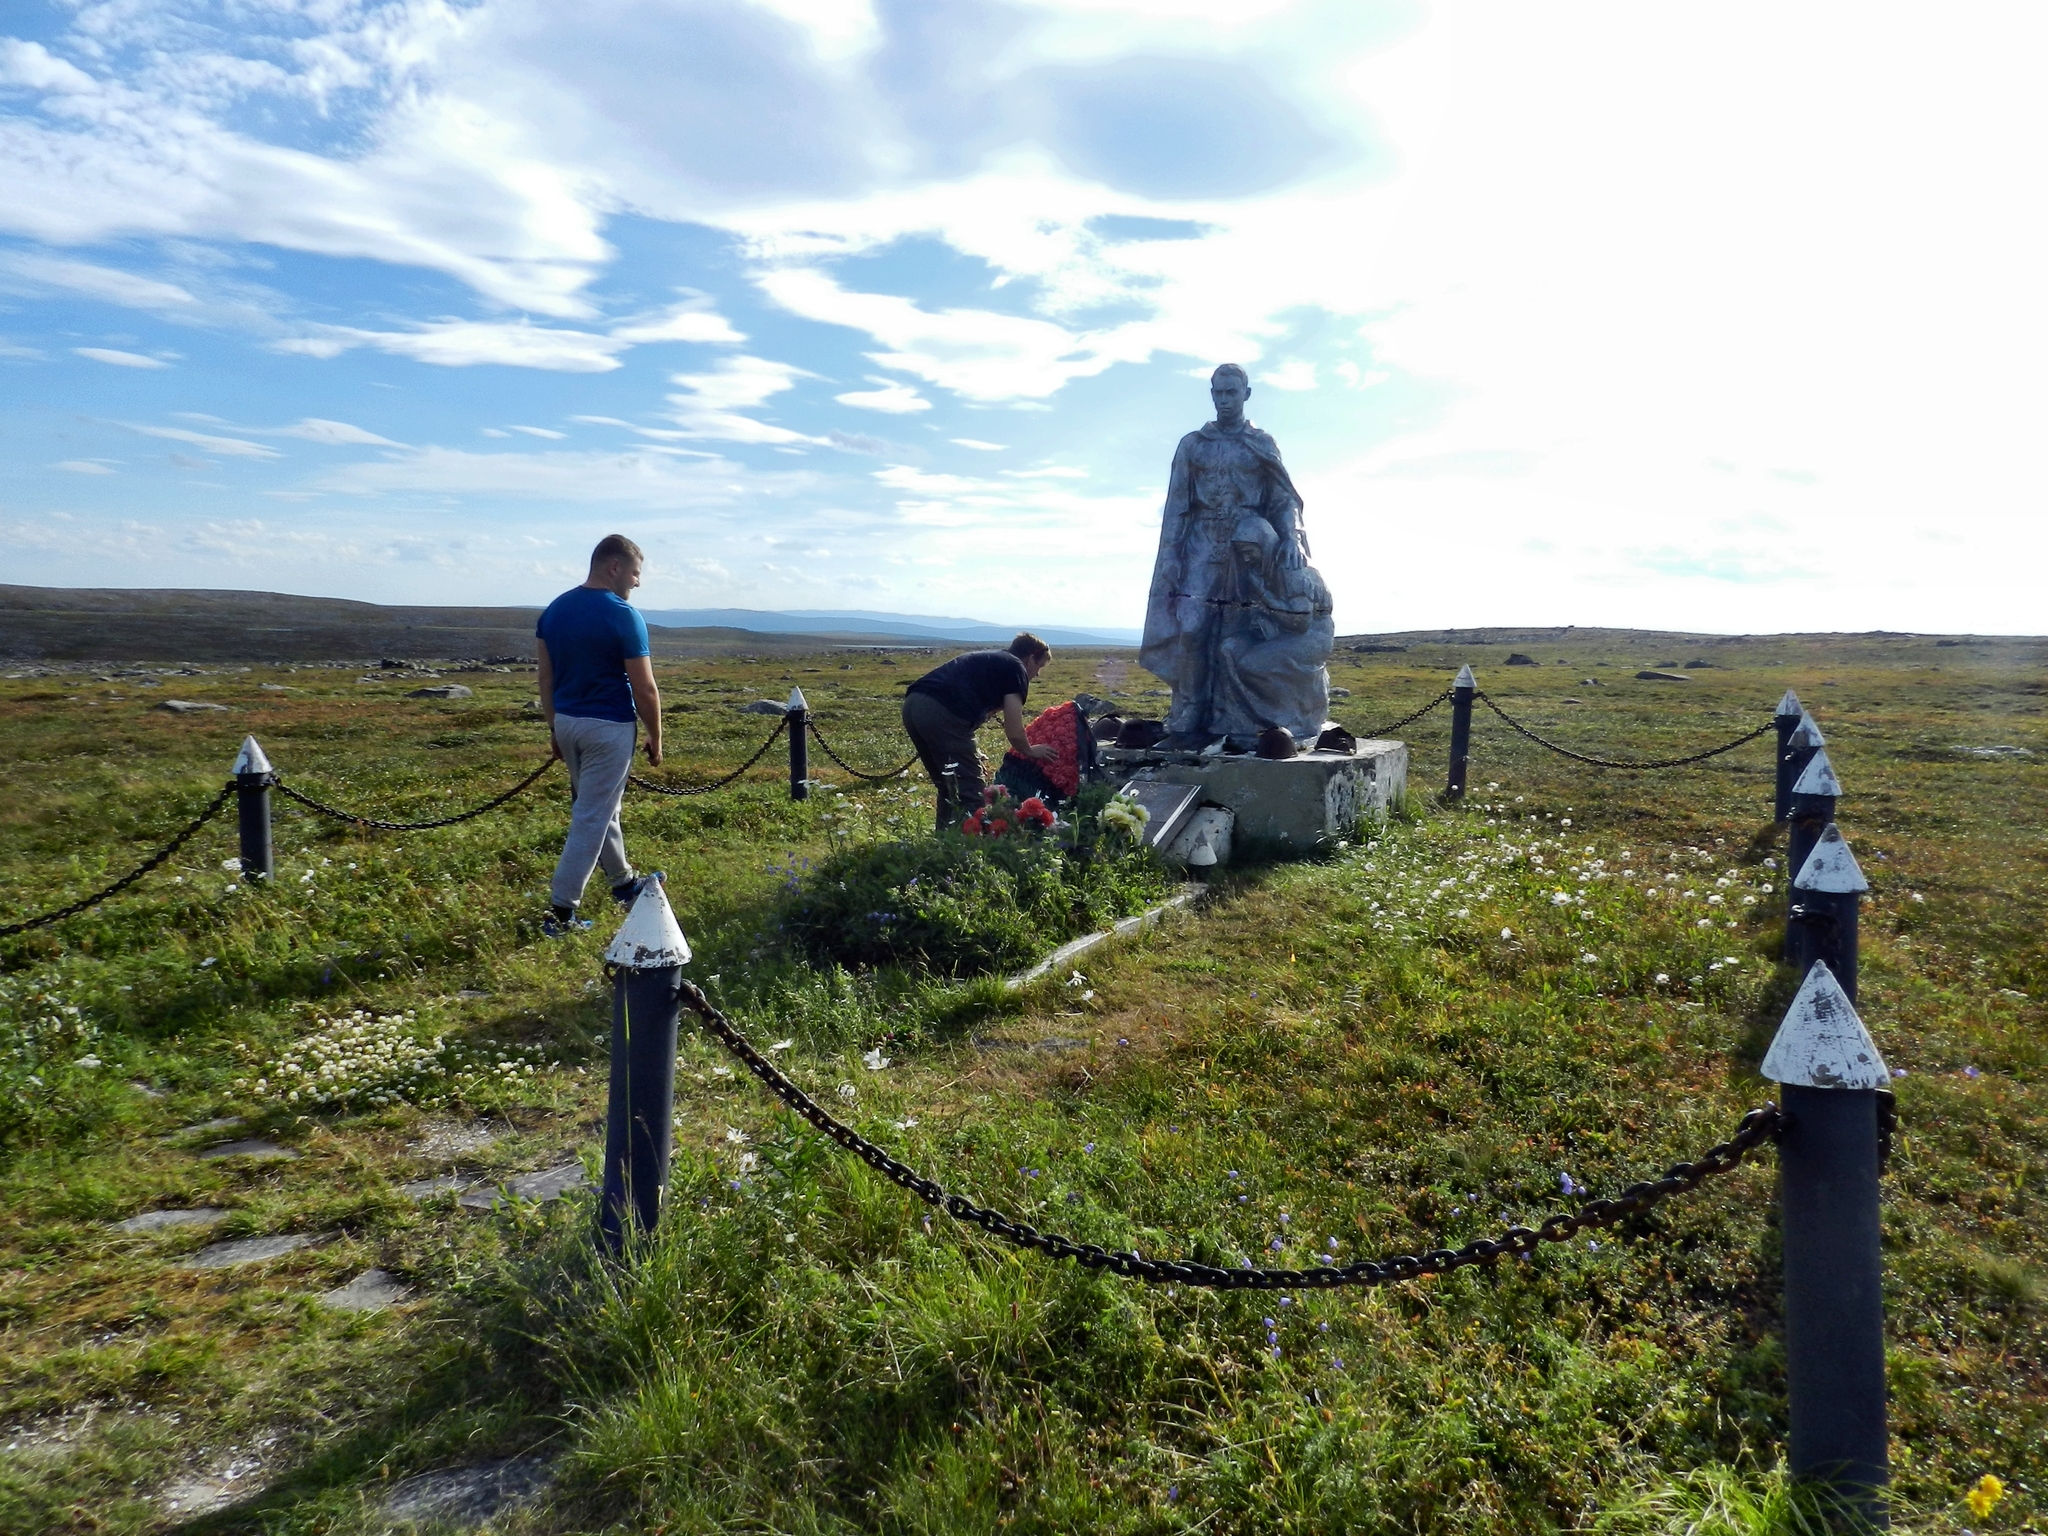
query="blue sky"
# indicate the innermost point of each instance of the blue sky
(1595, 314)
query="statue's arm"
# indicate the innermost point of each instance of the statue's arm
(1166, 572)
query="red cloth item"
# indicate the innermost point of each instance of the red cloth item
(1059, 728)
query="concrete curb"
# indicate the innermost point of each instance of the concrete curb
(1074, 949)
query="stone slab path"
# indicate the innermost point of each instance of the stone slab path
(163, 1221)
(371, 1291)
(468, 1495)
(253, 1250)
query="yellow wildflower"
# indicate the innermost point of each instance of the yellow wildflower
(1984, 1497)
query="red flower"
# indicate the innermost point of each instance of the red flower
(1059, 728)
(1032, 807)
(971, 826)
(999, 826)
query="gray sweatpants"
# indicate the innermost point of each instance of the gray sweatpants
(599, 755)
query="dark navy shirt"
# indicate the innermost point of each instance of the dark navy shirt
(974, 686)
(590, 634)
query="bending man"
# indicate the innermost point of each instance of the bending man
(595, 677)
(945, 707)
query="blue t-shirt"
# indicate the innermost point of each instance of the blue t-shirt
(590, 634)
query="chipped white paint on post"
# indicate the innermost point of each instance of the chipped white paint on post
(1806, 733)
(1822, 1043)
(1789, 706)
(1819, 778)
(1831, 866)
(251, 758)
(650, 937)
(1465, 679)
(796, 701)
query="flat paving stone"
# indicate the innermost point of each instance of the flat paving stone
(371, 1291)
(206, 1128)
(451, 1138)
(468, 1496)
(548, 1184)
(252, 1250)
(219, 1487)
(255, 1148)
(163, 1221)
(426, 1189)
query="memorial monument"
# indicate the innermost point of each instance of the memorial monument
(1238, 622)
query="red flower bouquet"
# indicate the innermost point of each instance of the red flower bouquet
(999, 817)
(1059, 728)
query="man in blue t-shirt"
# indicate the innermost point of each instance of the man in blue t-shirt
(595, 677)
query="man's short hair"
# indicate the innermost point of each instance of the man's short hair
(1222, 368)
(615, 546)
(1027, 647)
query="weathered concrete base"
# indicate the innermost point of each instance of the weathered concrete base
(1294, 806)
(1214, 825)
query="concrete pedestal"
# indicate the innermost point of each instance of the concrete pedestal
(1290, 807)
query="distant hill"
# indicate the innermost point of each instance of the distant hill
(861, 621)
(177, 624)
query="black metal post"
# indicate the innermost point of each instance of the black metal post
(799, 746)
(1813, 807)
(1787, 720)
(639, 1123)
(1826, 906)
(648, 956)
(1463, 687)
(1829, 1161)
(252, 810)
(1834, 1292)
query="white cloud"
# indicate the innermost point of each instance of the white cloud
(227, 447)
(333, 433)
(896, 398)
(977, 444)
(92, 281)
(637, 477)
(83, 467)
(711, 402)
(1293, 375)
(547, 432)
(692, 320)
(469, 343)
(119, 358)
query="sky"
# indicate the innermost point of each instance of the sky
(1722, 318)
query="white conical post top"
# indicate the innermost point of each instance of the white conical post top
(650, 937)
(1790, 705)
(1806, 733)
(796, 700)
(1822, 1043)
(1831, 866)
(1465, 679)
(1201, 856)
(1819, 778)
(251, 759)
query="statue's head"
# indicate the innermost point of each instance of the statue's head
(1229, 388)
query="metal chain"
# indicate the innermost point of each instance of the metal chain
(842, 762)
(122, 884)
(277, 782)
(1758, 1126)
(1380, 731)
(1615, 762)
(637, 782)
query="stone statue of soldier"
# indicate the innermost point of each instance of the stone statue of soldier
(1232, 579)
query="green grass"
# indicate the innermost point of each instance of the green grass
(1325, 1051)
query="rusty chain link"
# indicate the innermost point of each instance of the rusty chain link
(1758, 1126)
(277, 782)
(876, 778)
(1613, 762)
(1378, 732)
(214, 809)
(680, 790)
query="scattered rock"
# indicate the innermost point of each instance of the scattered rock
(1340, 693)
(444, 691)
(468, 1495)
(371, 1291)
(146, 1091)
(276, 688)
(1571, 701)
(1376, 649)
(426, 1189)
(147, 682)
(255, 1148)
(1517, 659)
(162, 1221)
(762, 707)
(452, 1139)
(225, 1484)
(188, 707)
(2000, 751)
(253, 1250)
(1694, 666)
(1652, 676)
(470, 994)
(1591, 682)
(548, 1184)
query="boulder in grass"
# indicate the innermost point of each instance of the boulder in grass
(1517, 659)
(1652, 675)
(762, 707)
(443, 691)
(189, 707)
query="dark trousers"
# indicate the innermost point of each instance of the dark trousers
(945, 745)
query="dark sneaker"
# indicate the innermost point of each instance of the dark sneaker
(626, 892)
(562, 921)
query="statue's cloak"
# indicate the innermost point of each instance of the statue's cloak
(1171, 611)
